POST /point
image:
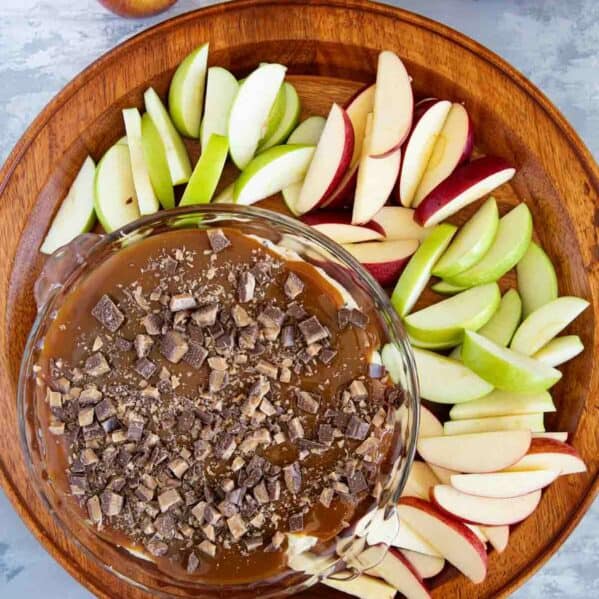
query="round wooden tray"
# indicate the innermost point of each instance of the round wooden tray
(330, 47)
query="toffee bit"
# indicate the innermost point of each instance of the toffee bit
(293, 286)
(107, 314)
(326, 497)
(261, 493)
(253, 543)
(312, 330)
(240, 316)
(267, 369)
(296, 522)
(288, 336)
(112, 503)
(178, 467)
(225, 447)
(275, 542)
(152, 323)
(285, 376)
(218, 240)
(94, 511)
(208, 548)
(182, 301)
(198, 511)
(209, 532)
(205, 316)
(358, 390)
(307, 402)
(169, 499)
(295, 428)
(217, 363)
(145, 368)
(271, 317)
(96, 365)
(248, 337)
(173, 346)
(56, 428)
(293, 477)
(85, 416)
(98, 343)
(143, 345)
(246, 287)
(237, 526)
(218, 379)
(211, 514)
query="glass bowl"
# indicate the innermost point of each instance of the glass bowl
(73, 263)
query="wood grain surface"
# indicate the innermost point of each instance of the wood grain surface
(330, 47)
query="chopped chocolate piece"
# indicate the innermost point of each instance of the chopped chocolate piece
(356, 428)
(325, 434)
(79, 485)
(358, 318)
(326, 497)
(185, 422)
(237, 464)
(311, 446)
(165, 526)
(295, 428)
(312, 330)
(358, 390)
(227, 485)
(54, 398)
(296, 311)
(261, 493)
(98, 343)
(209, 532)
(274, 489)
(271, 317)
(173, 346)
(296, 522)
(258, 520)
(94, 511)
(182, 301)
(218, 379)
(205, 316)
(227, 509)
(267, 369)
(252, 478)
(92, 432)
(218, 240)
(267, 408)
(198, 511)
(178, 467)
(357, 483)
(111, 424)
(217, 363)
(143, 345)
(293, 477)
(240, 316)
(85, 416)
(343, 318)
(262, 271)
(211, 514)
(208, 548)
(62, 384)
(89, 457)
(293, 286)
(249, 506)
(285, 376)
(112, 503)
(307, 402)
(145, 368)
(144, 493)
(107, 314)
(56, 428)
(275, 542)
(288, 336)
(192, 563)
(248, 337)
(246, 287)
(157, 548)
(216, 330)
(327, 355)
(168, 499)
(122, 344)
(237, 526)
(152, 323)
(195, 355)
(252, 543)
(376, 371)
(105, 410)
(96, 365)
(340, 488)
(225, 447)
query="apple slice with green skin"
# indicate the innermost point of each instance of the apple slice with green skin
(446, 321)
(537, 281)
(393, 105)
(383, 259)
(221, 89)
(271, 171)
(115, 200)
(503, 403)
(420, 480)
(226, 195)
(76, 213)
(468, 183)
(207, 172)
(445, 288)
(287, 122)
(560, 350)
(155, 158)
(476, 452)
(418, 271)
(455, 541)
(338, 226)
(498, 536)
(504, 368)
(471, 243)
(531, 422)
(176, 153)
(503, 485)
(550, 454)
(511, 242)
(331, 161)
(274, 116)
(432, 345)
(545, 323)
(501, 326)
(419, 148)
(186, 93)
(427, 566)
(452, 147)
(398, 223)
(146, 198)
(250, 110)
(444, 380)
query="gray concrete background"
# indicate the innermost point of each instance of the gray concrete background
(44, 43)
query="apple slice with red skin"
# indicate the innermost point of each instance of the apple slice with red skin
(488, 511)
(550, 454)
(384, 260)
(455, 541)
(399, 223)
(338, 226)
(331, 160)
(427, 566)
(465, 185)
(498, 536)
(476, 452)
(503, 484)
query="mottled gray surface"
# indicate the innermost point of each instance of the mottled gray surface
(44, 43)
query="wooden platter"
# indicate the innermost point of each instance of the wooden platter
(330, 47)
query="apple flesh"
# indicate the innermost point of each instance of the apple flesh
(537, 281)
(502, 325)
(420, 481)
(358, 108)
(503, 403)
(383, 259)
(477, 452)
(221, 90)
(560, 350)
(308, 132)
(363, 587)
(288, 119)
(467, 184)
(498, 536)
(398, 223)
(427, 566)
(137, 8)
(445, 288)
(338, 226)
(430, 425)
(558, 436)
(550, 454)
(503, 484)
(531, 422)
(155, 158)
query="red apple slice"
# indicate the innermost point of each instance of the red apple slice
(426, 565)
(430, 425)
(550, 454)
(422, 106)
(467, 184)
(419, 148)
(393, 105)
(498, 536)
(561, 436)
(330, 162)
(343, 196)
(338, 226)
(358, 108)
(383, 259)
(503, 484)
(458, 544)
(420, 481)
(476, 452)
(399, 223)
(484, 510)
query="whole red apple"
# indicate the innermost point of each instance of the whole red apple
(137, 8)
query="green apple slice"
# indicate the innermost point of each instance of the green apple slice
(308, 131)
(506, 369)
(221, 89)
(291, 195)
(416, 274)
(471, 243)
(501, 326)
(275, 115)
(445, 288)
(503, 403)
(537, 281)
(146, 198)
(207, 172)
(446, 321)
(526, 422)
(176, 153)
(76, 213)
(226, 195)
(510, 244)
(545, 323)
(186, 93)
(560, 350)
(115, 199)
(250, 110)
(444, 380)
(272, 171)
(155, 158)
(287, 122)
(434, 345)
